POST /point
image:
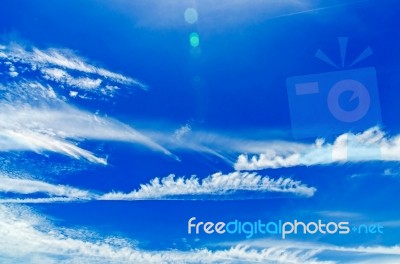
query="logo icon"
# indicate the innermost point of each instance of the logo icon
(332, 103)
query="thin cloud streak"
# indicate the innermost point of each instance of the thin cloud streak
(29, 186)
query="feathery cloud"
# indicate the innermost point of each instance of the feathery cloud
(60, 129)
(215, 185)
(27, 237)
(65, 70)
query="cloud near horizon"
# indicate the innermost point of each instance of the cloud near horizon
(26, 237)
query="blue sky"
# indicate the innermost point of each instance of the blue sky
(121, 120)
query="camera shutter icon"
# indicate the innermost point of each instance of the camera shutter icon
(332, 103)
(359, 91)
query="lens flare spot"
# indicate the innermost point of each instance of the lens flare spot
(190, 15)
(194, 40)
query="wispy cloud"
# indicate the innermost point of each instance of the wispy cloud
(215, 184)
(20, 185)
(223, 144)
(35, 116)
(341, 254)
(370, 145)
(45, 200)
(271, 149)
(64, 78)
(341, 215)
(65, 69)
(60, 129)
(26, 237)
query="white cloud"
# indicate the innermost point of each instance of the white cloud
(13, 73)
(41, 200)
(258, 150)
(63, 77)
(31, 92)
(222, 144)
(73, 93)
(68, 60)
(338, 254)
(21, 185)
(65, 68)
(59, 130)
(35, 117)
(26, 237)
(370, 145)
(215, 184)
(182, 131)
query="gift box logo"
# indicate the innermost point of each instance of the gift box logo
(332, 103)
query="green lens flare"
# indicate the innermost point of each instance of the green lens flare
(194, 40)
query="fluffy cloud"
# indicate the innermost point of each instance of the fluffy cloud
(370, 145)
(216, 184)
(262, 150)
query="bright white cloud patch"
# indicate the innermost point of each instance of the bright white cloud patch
(216, 184)
(370, 145)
